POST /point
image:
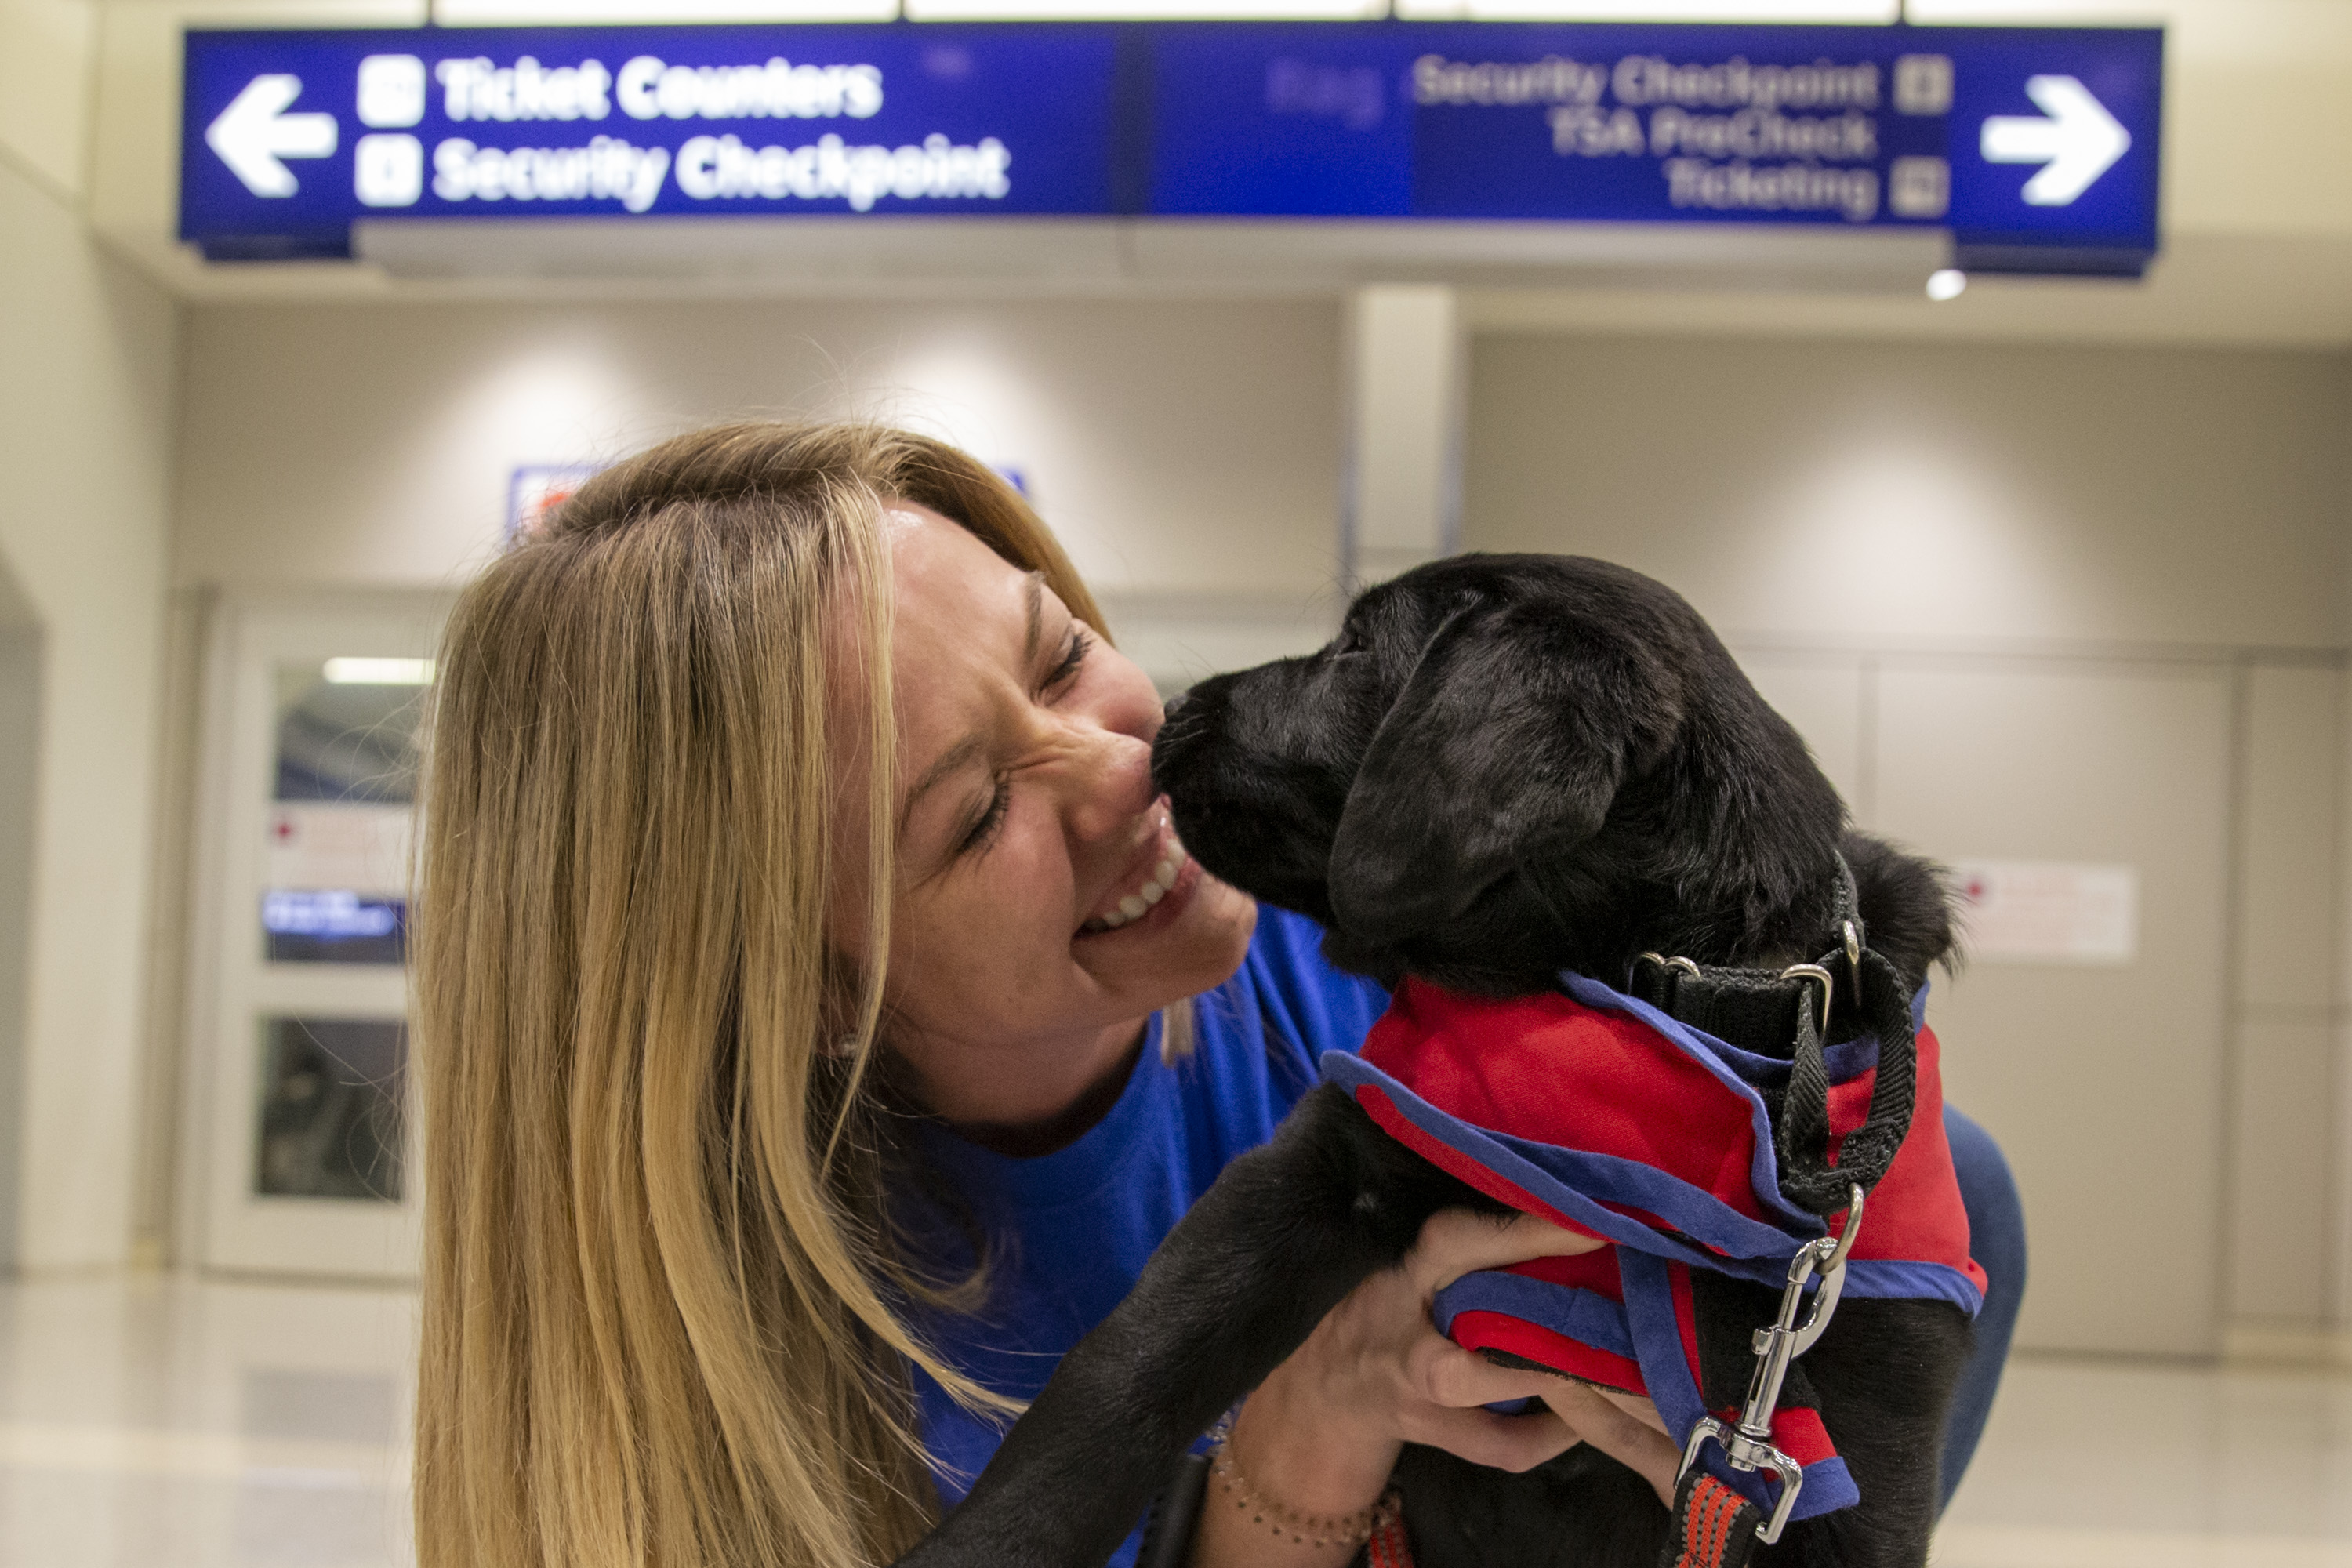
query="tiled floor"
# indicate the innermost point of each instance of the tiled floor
(199, 1426)
(170, 1423)
(2134, 1465)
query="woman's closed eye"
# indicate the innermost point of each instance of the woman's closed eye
(1073, 656)
(982, 831)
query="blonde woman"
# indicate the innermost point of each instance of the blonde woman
(806, 979)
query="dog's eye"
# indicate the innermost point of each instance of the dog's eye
(1349, 641)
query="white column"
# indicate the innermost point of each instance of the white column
(1405, 390)
(2339, 1217)
(86, 434)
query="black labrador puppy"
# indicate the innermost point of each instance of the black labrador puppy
(1503, 767)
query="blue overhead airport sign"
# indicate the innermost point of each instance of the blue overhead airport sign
(2017, 140)
(291, 136)
(2036, 148)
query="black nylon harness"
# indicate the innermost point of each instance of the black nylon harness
(1762, 1010)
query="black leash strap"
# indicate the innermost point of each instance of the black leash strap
(1175, 1515)
(1807, 1177)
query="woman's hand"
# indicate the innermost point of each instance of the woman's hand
(1321, 1436)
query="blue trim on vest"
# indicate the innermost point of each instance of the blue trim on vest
(1658, 1343)
(1722, 1239)
(1829, 1485)
(1846, 1059)
(1913, 1280)
(1650, 1313)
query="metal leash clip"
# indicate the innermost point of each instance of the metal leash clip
(1748, 1444)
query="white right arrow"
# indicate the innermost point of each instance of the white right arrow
(2079, 142)
(252, 133)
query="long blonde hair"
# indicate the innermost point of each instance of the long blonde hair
(664, 1321)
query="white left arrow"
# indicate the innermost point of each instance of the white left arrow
(254, 133)
(2079, 142)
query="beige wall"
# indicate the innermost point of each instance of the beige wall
(20, 722)
(1859, 492)
(1873, 524)
(46, 50)
(2286, 1028)
(85, 438)
(1187, 449)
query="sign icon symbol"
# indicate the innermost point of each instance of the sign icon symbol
(254, 133)
(391, 91)
(388, 170)
(2079, 142)
(1923, 84)
(1919, 187)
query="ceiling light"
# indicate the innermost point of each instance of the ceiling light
(1780, 11)
(1143, 10)
(379, 671)
(574, 13)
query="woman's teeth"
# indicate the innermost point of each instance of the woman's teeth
(1137, 904)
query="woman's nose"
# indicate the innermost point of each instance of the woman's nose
(1111, 787)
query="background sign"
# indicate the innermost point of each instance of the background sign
(291, 136)
(2048, 911)
(2038, 148)
(1839, 126)
(534, 489)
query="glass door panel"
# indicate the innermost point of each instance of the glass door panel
(336, 847)
(331, 1098)
(303, 1143)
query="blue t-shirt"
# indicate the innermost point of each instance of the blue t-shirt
(1070, 1230)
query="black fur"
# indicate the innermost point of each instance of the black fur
(1508, 765)
(1503, 767)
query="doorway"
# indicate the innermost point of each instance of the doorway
(302, 1147)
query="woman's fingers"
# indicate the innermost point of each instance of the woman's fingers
(1443, 1373)
(1454, 1242)
(1453, 1383)
(1512, 1443)
(1644, 1449)
(1634, 1404)
(1376, 1359)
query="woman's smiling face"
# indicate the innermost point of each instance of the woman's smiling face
(1045, 907)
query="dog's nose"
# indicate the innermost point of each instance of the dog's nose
(1179, 734)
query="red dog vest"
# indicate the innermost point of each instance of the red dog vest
(1606, 1117)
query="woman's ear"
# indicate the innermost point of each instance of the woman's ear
(1506, 743)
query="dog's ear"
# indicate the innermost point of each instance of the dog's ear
(1506, 743)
